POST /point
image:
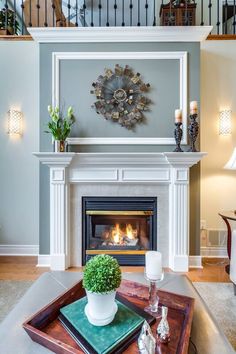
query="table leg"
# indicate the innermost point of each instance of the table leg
(229, 240)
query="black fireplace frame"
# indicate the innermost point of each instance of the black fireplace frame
(117, 203)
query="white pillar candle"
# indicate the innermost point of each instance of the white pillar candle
(153, 263)
(178, 116)
(193, 107)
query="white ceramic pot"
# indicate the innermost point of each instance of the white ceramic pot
(101, 308)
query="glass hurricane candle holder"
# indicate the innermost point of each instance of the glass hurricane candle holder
(153, 305)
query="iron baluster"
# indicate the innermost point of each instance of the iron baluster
(14, 16)
(46, 14)
(6, 16)
(84, 11)
(146, 11)
(107, 24)
(100, 13)
(38, 8)
(115, 8)
(131, 12)
(53, 14)
(202, 14)
(123, 13)
(234, 14)
(138, 13)
(92, 24)
(226, 17)
(68, 13)
(76, 13)
(154, 13)
(61, 14)
(218, 17)
(22, 22)
(210, 6)
(30, 12)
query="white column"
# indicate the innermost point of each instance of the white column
(179, 220)
(59, 241)
(59, 207)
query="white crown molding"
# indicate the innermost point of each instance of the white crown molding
(59, 159)
(120, 34)
(183, 91)
(19, 250)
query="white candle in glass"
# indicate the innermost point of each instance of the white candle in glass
(153, 264)
(193, 107)
(178, 116)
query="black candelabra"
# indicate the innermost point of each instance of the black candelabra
(178, 136)
(193, 130)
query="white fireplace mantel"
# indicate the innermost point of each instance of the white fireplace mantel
(168, 168)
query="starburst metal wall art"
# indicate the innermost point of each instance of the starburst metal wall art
(120, 96)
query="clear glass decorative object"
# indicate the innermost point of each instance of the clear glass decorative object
(163, 329)
(146, 340)
(153, 305)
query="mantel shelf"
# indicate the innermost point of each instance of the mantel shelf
(184, 159)
(120, 34)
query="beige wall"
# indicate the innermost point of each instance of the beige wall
(218, 91)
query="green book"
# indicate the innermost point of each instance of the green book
(105, 339)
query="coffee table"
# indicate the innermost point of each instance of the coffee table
(206, 334)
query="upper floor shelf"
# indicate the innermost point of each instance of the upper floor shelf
(18, 16)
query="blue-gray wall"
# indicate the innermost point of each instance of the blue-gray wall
(75, 83)
(19, 171)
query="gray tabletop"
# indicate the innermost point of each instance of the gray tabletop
(205, 334)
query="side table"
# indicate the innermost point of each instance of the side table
(227, 216)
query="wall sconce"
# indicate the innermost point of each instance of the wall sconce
(225, 124)
(15, 122)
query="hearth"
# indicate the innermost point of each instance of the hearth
(124, 227)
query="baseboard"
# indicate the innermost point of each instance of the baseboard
(195, 262)
(44, 260)
(19, 250)
(214, 252)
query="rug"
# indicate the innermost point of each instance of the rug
(11, 292)
(220, 299)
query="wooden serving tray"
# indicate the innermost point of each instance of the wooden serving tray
(45, 328)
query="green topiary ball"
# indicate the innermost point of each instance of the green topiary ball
(102, 274)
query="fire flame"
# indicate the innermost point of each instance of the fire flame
(130, 232)
(118, 235)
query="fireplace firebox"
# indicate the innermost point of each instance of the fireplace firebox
(124, 227)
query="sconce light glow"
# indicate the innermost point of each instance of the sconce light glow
(225, 126)
(14, 122)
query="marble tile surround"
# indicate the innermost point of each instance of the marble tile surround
(77, 191)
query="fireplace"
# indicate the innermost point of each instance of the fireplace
(124, 227)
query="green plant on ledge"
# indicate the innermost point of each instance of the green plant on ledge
(102, 274)
(60, 127)
(8, 21)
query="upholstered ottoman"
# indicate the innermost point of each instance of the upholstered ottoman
(206, 333)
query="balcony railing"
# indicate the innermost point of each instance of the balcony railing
(17, 15)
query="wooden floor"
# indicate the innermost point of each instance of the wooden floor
(24, 268)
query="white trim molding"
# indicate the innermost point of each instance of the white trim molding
(19, 250)
(182, 57)
(120, 34)
(214, 252)
(195, 262)
(44, 260)
(169, 168)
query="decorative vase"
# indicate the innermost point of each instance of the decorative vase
(59, 146)
(101, 308)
